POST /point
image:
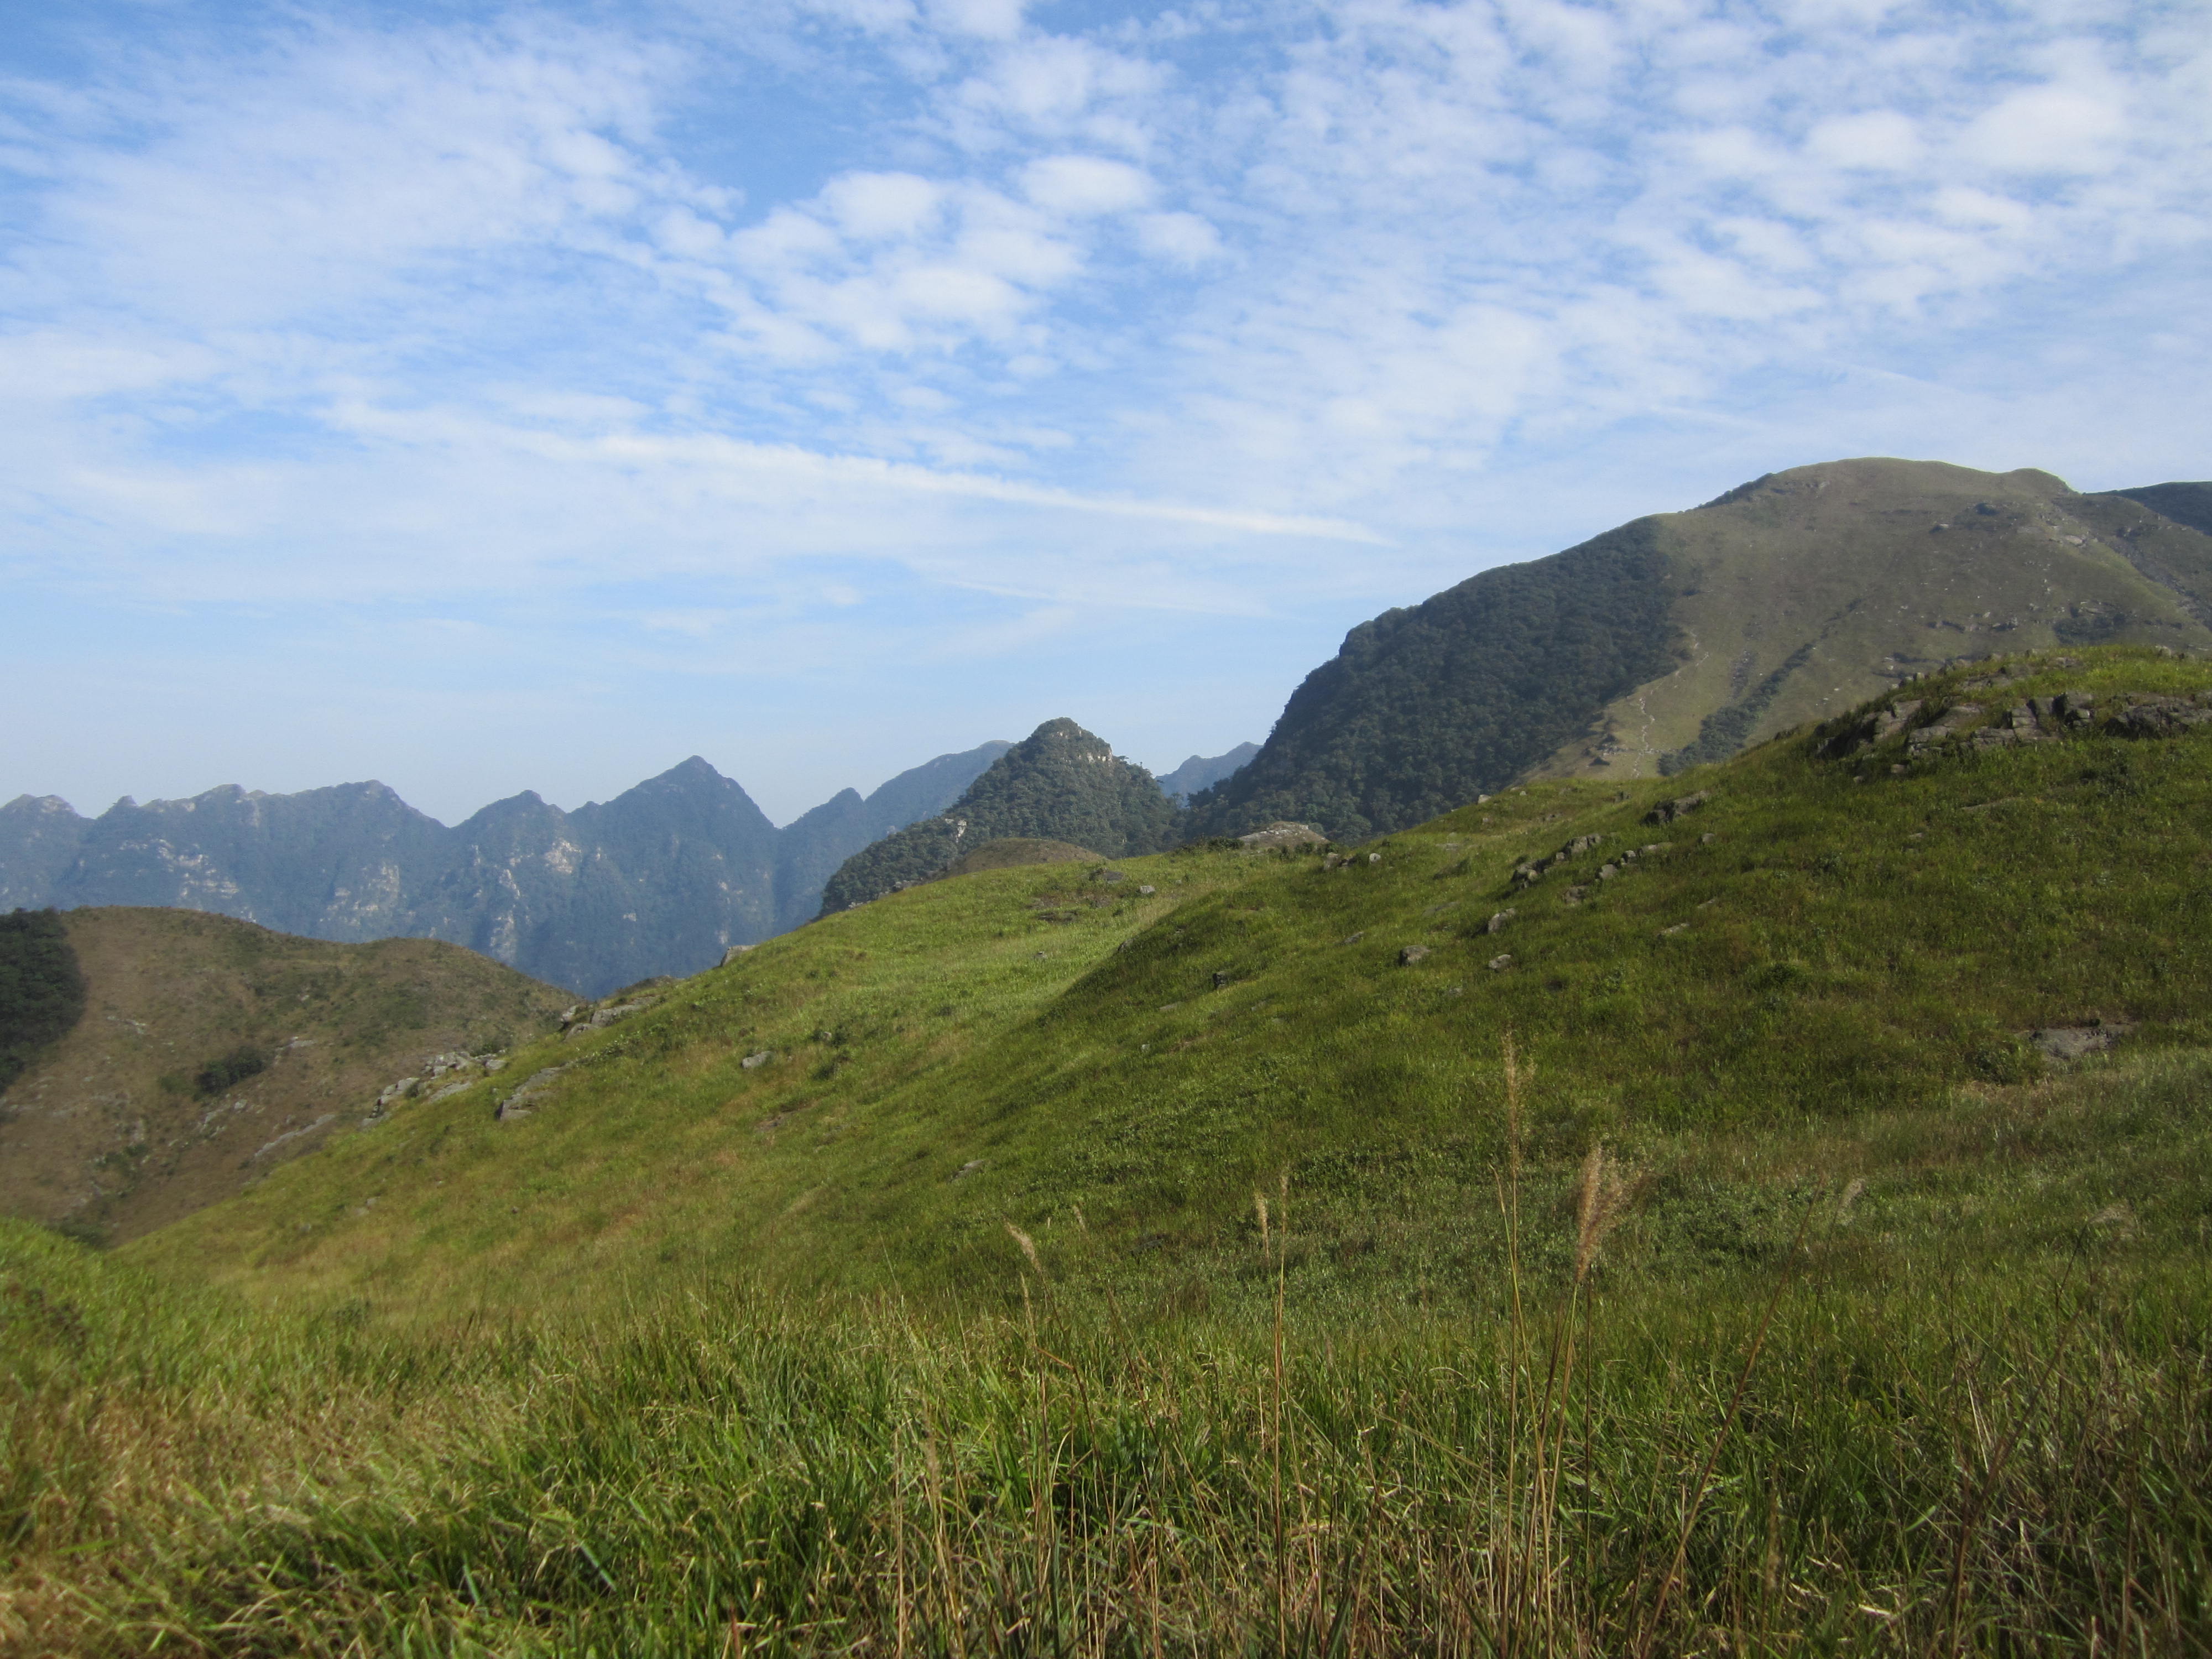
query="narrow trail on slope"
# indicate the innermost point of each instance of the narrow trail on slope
(1642, 746)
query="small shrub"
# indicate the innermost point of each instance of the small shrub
(230, 1070)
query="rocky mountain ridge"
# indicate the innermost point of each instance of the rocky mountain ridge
(663, 878)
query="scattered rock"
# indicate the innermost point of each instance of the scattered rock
(1707, 838)
(1498, 964)
(1148, 891)
(2072, 1042)
(754, 1062)
(734, 953)
(1374, 858)
(1667, 812)
(1496, 923)
(1353, 938)
(1282, 833)
(2158, 717)
(1221, 978)
(1669, 932)
(1412, 954)
(1574, 896)
(1608, 872)
(1949, 727)
(1109, 876)
(967, 1168)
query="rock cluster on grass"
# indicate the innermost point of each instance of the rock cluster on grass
(531, 1095)
(577, 1022)
(1667, 811)
(2073, 1041)
(1282, 833)
(1931, 728)
(444, 1075)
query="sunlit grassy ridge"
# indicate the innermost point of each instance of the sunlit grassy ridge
(1114, 1071)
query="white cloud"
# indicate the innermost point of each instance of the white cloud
(992, 19)
(882, 206)
(1878, 139)
(1183, 239)
(1077, 186)
(1219, 314)
(2049, 129)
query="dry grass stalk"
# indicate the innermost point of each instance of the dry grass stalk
(1029, 1250)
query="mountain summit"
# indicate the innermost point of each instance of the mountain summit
(1677, 639)
(1060, 783)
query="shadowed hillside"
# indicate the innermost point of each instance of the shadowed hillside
(210, 1051)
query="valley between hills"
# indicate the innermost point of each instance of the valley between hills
(1664, 1110)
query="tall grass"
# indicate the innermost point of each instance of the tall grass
(2011, 1462)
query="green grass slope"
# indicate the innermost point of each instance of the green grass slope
(1833, 967)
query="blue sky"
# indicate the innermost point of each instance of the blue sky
(488, 399)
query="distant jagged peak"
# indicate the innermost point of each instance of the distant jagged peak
(28, 805)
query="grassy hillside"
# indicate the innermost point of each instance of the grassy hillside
(211, 1051)
(1822, 947)
(1794, 1241)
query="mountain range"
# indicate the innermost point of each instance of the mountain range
(662, 879)
(1664, 643)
